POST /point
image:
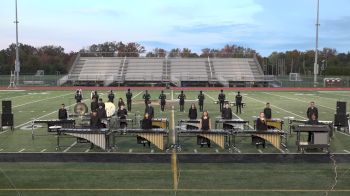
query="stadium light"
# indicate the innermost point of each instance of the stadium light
(17, 62)
(316, 49)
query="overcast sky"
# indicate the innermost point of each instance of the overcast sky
(264, 25)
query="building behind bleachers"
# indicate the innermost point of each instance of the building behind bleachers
(141, 71)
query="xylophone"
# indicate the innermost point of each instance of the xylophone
(160, 123)
(275, 123)
(277, 138)
(98, 137)
(295, 122)
(218, 136)
(232, 123)
(155, 136)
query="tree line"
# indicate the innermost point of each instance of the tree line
(53, 59)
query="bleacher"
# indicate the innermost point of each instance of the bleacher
(128, 70)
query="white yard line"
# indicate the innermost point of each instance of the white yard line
(87, 150)
(172, 94)
(71, 146)
(297, 100)
(43, 150)
(41, 100)
(346, 151)
(3, 132)
(260, 151)
(22, 150)
(277, 107)
(1, 149)
(136, 95)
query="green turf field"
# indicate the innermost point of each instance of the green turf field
(156, 179)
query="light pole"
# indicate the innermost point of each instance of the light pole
(316, 49)
(17, 63)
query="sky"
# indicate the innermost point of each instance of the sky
(263, 25)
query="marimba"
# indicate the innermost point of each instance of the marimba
(277, 138)
(218, 136)
(162, 123)
(155, 136)
(233, 123)
(98, 137)
(274, 123)
(320, 138)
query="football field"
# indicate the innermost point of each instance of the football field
(67, 178)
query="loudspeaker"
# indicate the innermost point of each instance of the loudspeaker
(6, 107)
(341, 107)
(341, 120)
(7, 120)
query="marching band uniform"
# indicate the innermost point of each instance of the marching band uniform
(111, 96)
(192, 113)
(162, 98)
(182, 98)
(122, 114)
(128, 99)
(221, 99)
(62, 113)
(146, 97)
(78, 96)
(238, 103)
(201, 101)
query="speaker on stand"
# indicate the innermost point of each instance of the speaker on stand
(341, 119)
(6, 116)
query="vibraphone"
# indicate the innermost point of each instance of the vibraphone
(218, 136)
(189, 124)
(98, 137)
(155, 136)
(295, 122)
(320, 138)
(162, 123)
(277, 138)
(233, 123)
(63, 123)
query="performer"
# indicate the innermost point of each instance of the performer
(149, 110)
(238, 103)
(226, 114)
(146, 97)
(128, 99)
(312, 110)
(94, 105)
(267, 111)
(111, 96)
(146, 122)
(182, 98)
(121, 102)
(312, 121)
(201, 101)
(100, 103)
(192, 112)
(221, 99)
(78, 96)
(95, 122)
(205, 125)
(101, 112)
(260, 126)
(94, 95)
(162, 98)
(62, 113)
(122, 113)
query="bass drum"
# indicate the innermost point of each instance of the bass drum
(80, 109)
(110, 109)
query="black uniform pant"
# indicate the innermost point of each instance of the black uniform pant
(221, 103)
(238, 108)
(162, 106)
(129, 105)
(182, 107)
(146, 102)
(200, 106)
